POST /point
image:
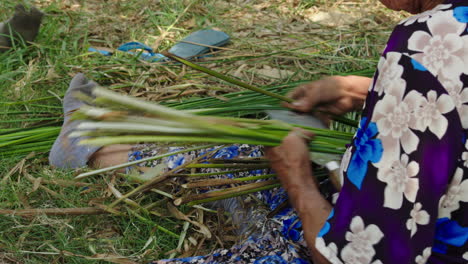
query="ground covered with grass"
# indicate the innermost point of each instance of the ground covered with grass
(278, 43)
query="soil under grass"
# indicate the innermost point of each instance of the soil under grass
(273, 43)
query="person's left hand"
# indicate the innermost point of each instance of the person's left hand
(291, 161)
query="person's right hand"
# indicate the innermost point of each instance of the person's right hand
(337, 95)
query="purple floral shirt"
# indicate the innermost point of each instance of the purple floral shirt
(405, 176)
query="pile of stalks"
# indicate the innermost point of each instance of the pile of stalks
(42, 131)
(121, 119)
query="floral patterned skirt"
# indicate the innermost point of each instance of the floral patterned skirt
(278, 239)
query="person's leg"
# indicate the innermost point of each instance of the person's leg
(67, 152)
(110, 156)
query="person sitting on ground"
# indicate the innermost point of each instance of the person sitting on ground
(405, 174)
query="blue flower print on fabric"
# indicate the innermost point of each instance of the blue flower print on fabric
(418, 66)
(202, 153)
(367, 148)
(326, 226)
(461, 14)
(256, 172)
(449, 232)
(271, 260)
(227, 153)
(256, 154)
(292, 228)
(176, 160)
(275, 199)
(137, 155)
(283, 212)
(299, 261)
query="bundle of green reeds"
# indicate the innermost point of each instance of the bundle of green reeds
(18, 142)
(119, 119)
(39, 138)
(26, 136)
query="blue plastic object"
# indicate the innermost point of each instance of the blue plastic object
(134, 45)
(103, 52)
(147, 54)
(206, 38)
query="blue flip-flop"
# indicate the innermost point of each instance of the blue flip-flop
(146, 52)
(194, 45)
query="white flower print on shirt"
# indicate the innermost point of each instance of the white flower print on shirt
(418, 217)
(442, 51)
(389, 73)
(395, 117)
(360, 249)
(465, 155)
(423, 17)
(345, 163)
(430, 113)
(422, 259)
(401, 181)
(459, 96)
(330, 252)
(465, 256)
(457, 192)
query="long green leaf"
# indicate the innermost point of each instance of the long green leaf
(227, 79)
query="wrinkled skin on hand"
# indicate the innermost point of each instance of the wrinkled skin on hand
(292, 164)
(336, 95)
(291, 155)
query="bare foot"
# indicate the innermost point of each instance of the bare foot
(109, 156)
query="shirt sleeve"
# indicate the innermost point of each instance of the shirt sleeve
(400, 163)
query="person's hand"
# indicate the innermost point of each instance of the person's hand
(337, 95)
(291, 160)
(292, 165)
